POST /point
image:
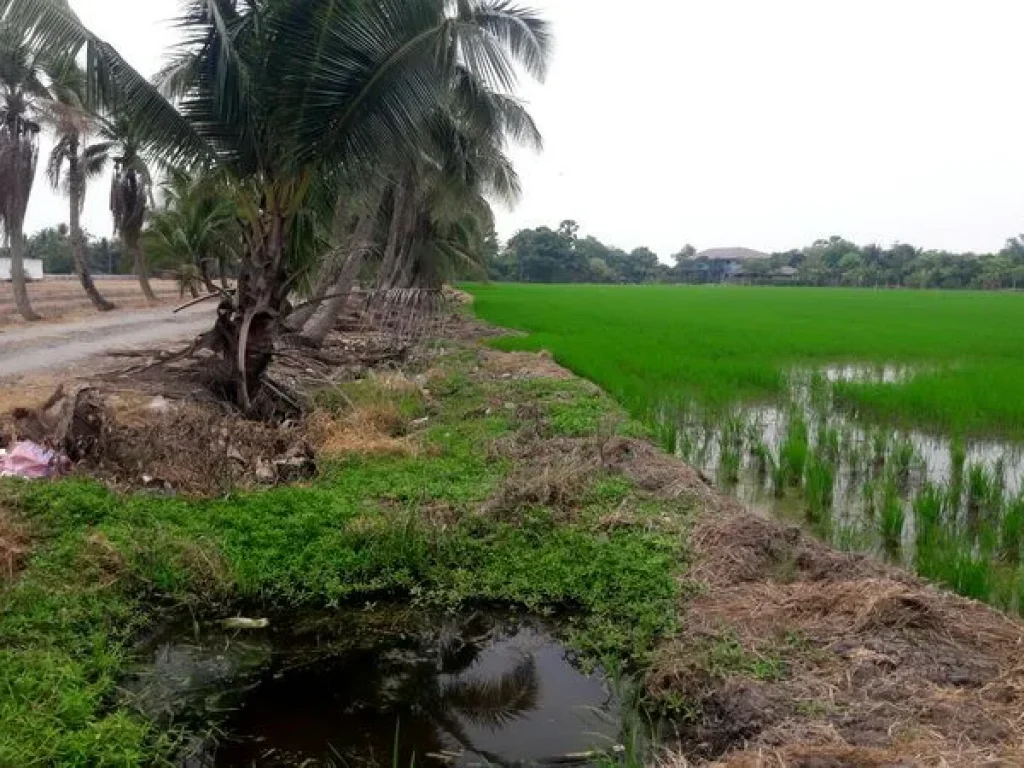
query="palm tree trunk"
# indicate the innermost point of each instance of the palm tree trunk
(132, 247)
(330, 265)
(18, 282)
(204, 273)
(396, 232)
(78, 243)
(321, 323)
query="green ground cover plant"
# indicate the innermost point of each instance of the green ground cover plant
(105, 567)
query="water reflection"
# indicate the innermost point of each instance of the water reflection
(346, 690)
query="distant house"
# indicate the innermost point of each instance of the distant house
(33, 269)
(729, 262)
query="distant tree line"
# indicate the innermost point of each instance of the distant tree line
(837, 261)
(53, 246)
(544, 255)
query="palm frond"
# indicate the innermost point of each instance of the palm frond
(494, 703)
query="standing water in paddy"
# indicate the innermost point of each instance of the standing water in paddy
(952, 508)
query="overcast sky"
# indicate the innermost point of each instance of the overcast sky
(744, 122)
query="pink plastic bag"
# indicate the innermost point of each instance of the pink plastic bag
(28, 460)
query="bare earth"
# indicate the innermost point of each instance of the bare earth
(34, 358)
(65, 300)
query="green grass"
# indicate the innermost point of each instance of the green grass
(105, 567)
(662, 346)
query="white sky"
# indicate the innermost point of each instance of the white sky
(744, 122)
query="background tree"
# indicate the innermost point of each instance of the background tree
(74, 161)
(279, 96)
(21, 90)
(196, 227)
(130, 193)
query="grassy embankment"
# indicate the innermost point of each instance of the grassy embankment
(660, 346)
(104, 567)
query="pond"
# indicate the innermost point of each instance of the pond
(951, 509)
(384, 686)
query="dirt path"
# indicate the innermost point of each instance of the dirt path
(60, 346)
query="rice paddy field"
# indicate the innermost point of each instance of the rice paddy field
(890, 421)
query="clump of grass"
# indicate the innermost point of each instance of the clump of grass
(928, 513)
(764, 463)
(795, 448)
(1011, 531)
(892, 518)
(957, 457)
(729, 466)
(879, 448)
(984, 492)
(731, 450)
(901, 461)
(818, 488)
(950, 561)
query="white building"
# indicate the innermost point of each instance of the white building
(33, 269)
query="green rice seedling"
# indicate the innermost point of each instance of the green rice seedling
(794, 450)
(954, 495)
(901, 460)
(951, 560)
(818, 388)
(1012, 531)
(818, 488)
(667, 433)
(828, 442)
(980, 491)
(928, 514)
(892, 516)
(869, 496)
(997, 497)
(729, 464)
(879, 449)
(762, 458)
(957, 457)
(778, 472)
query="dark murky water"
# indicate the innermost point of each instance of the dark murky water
(380, 687)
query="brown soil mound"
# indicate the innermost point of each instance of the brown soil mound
(133, 440)
(522, 365)
(798, 655)
(555, 472)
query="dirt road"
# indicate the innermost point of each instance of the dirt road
(31, 349)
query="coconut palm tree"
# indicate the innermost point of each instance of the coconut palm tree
(438, 200)
(279, 94)
(198, 227)
(74, 161)
(21, 89)
(130, 193)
